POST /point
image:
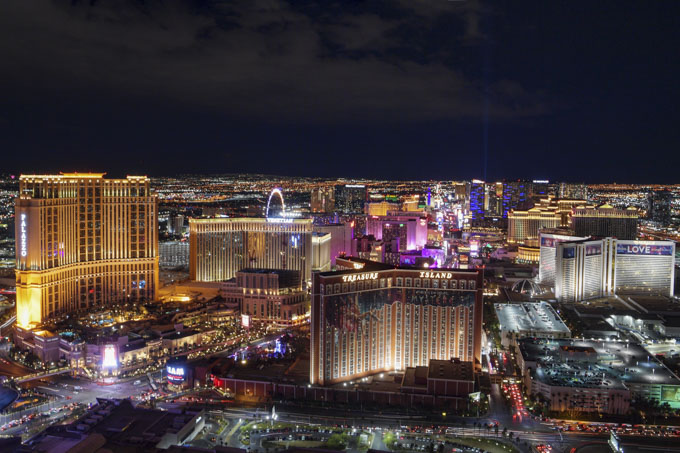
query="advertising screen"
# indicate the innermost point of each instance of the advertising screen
(109, 360)
(644, 249)
(595, 249)
(670, 394)
(176, 373)
(474, 248)
(569, 252)
(548, 242)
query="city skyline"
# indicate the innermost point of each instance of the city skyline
(269, 226)
(14, 175)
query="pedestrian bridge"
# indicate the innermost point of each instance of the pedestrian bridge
(34, 376)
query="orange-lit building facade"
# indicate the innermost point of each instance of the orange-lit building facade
(220, 247)
(269, 296)
(83, 242)
(365, 322)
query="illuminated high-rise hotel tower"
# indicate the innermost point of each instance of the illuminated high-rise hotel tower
(221, 247)
(82, 242)
(378, 318)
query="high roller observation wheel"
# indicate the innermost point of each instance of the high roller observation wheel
(278, 192)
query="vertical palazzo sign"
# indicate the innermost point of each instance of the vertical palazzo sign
(23, 239)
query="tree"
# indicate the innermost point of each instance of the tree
(390, 440)
(337, 441)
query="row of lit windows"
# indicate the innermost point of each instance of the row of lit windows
(408, 282)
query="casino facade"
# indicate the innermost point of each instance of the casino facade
(587, 269)
(83, 242)
(379, 319)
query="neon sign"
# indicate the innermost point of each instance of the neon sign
(23, 236)
(360, 277)
(426, 274)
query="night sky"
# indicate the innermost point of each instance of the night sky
(394, 89)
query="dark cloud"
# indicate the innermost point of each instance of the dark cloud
(304, 61)
(380, 88)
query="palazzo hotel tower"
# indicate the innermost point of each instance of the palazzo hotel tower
(83, 242)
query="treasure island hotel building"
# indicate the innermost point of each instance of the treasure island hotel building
(83, 242)
(379, 318)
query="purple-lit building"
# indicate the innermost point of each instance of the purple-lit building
(409, 227)
(341, 238)
(436, 253)
(476, 200)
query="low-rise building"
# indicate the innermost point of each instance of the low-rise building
(529, 319)
(117, 425)
(595, 375)
(440, 378)
(270, 296)
(109, 354)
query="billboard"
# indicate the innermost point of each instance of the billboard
(553, 241)
(569, 252)
(644, 249)
(594, 249)
(245, 321)
(176, 373)
(110, 360)
(548, 242)
(670, 394)
(474, 248)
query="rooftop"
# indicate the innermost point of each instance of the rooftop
(252, 270)
(374, 266)
(450, 369)
(594, 363)
(115, 425)
(536, 317)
